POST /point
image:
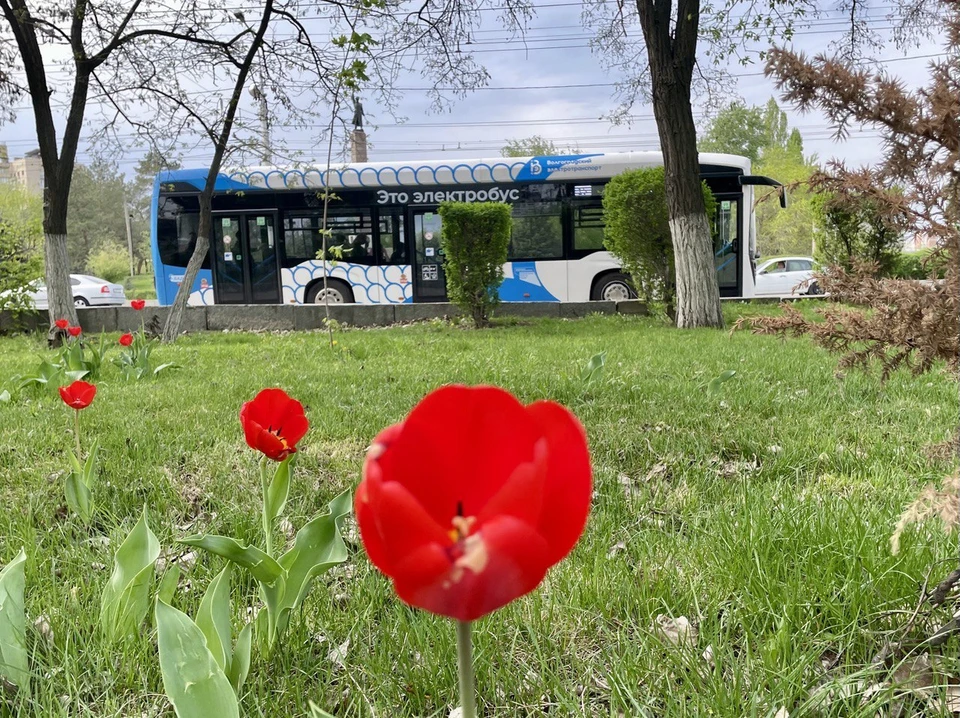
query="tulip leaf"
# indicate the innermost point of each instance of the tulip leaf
(168, 584)
(317, 712)
(163, 367)
(126, 597)
(213, 617)
(90, 464)
(192, 679)
(594, 368)
(264, 569)
(240, 665)
(13, 638)
(318, 547)
(75, 462)
(79, 498)
(714, 386)
(279, 489)
(76, 374)
(48, 371)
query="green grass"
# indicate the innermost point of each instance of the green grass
(762, 513)
(140, 286)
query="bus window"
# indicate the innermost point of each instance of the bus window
(587, 226)
(178, 221)
(393, 244)
(350, 238)
(537, 231)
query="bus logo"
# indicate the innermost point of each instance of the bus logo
(535, 167)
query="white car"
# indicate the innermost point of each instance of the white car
(87, 292)
(785, 276)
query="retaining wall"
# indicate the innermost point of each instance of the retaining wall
(269, 317)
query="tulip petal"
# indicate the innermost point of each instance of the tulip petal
(522, 495)
(403, 524)
(458, 447)
(568, 486)
(510, 563)
(366, 521)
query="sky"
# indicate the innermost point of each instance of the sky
(549, 82)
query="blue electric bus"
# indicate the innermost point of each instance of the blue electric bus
(384, 240)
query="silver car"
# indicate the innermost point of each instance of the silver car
(87, 292)
(787, 276)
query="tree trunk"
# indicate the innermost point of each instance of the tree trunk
(698, 293)
(57, 273)
(172, 327)
(672, 55)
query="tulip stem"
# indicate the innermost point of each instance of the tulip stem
(468, 693)
(267, 532)
(76, 430)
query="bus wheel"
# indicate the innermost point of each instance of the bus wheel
(336, 292)
(613, 287)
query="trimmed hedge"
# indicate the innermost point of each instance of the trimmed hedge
(475, 240)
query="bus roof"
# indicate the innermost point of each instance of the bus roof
(429, 173)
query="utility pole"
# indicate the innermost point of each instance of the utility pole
(127, 218)
(265, 155)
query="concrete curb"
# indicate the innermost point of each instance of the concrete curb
(289, 317)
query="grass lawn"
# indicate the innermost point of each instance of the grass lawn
(140, 286)
(761, 513)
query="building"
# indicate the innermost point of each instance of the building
(26, 171)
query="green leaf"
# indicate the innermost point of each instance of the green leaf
(318, 547)
(594, 368)
(264, 569)
(76, 375)
(163, 367)
(168, 584)
(279, 489)
(126, 597)
(317, 712)
(90, 464)
(213, 617)
(240, 665)
(13, 637)
(75, 462)
(714, 386)
(78, 496)
(48, 371)
(192, 680)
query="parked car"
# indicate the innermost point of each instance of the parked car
(784, 276)
(87, 292)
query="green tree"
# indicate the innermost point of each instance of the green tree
(475, 240)
(21, 243)
(736, 130)
(852, 226)
(535, 146)
(637, 231)
(786, 231)
(95, 213)
(748, 131)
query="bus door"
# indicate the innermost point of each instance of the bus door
(727, 246)
(429, 282)
(245, 267)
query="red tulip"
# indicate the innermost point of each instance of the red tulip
(273, 423)
(74, 331)
(78, 395)
(468, 502)
(138, 304)
(126, 339)
(62, 323)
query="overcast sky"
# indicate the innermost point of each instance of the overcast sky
(550, 83)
